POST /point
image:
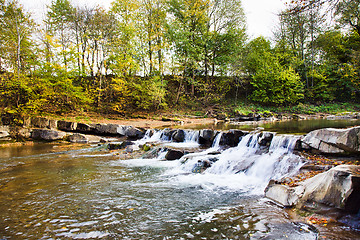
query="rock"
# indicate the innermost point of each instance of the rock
(179, 135)
(152, 153)
(146, 147)
(231, 138)
(282, 194)
(265, 139)
(134, 133)
(4, 135)
(66, 126)
(107, 129)
(81, 138)
(119, 145)
(167, 134)
(52, 124)
(173, 154)
(331, 140)
(242, 166)
(339, 187)
(206, 136)
(39, 123)
(47, 135)
(85, 128)
(23, 133)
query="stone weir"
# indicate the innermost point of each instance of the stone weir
(326, 141)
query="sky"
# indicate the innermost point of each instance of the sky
(261, 14)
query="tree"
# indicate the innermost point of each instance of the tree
(59, 17)
(16, 45)
(154, 39)
(349, 13)
(125, 47)
(273, 83)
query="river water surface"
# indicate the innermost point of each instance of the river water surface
(62, 191)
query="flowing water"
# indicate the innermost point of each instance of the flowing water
(59, 191)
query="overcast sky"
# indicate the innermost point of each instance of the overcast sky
(260, 14)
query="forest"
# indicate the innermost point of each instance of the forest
(150, 55)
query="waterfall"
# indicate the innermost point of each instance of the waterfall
(216, 143)
(192, 136)
(247, 166)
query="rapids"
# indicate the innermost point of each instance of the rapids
(55, 191)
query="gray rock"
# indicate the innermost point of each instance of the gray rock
(106, 129)
(47, 135)
(134, 133)
(85, 128)
(66, 126)
(339, 187)
(265, 138)
(39, 123)
(179, 135)
(23, 133)
(331, 140)
(173, 154)
(206, 136)
(81, 138)
(282, 194)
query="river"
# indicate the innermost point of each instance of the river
(68, 191)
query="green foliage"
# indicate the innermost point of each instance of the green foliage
(148, 93)
(322, 90)
(272, 82)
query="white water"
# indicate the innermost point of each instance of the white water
(191, 139)
(247, 167)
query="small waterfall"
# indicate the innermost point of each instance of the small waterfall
(216, 143)
(283, 142)
(248, 166)
(192, 136)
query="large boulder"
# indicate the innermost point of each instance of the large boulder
(134, 133)
(265, 139)
(232, 137)
(179, 135)
(106, 129)
(85, 128)
(174, 154)
(206, 136)
(339, 188)
(67, 126)
(47, 135)
(282, 194)
(331, 140)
